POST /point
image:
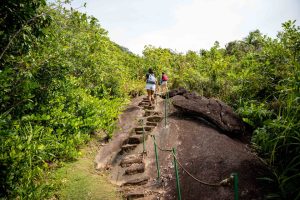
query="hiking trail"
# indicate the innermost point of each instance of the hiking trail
(205, 151)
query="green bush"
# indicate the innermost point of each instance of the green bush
(70, 83)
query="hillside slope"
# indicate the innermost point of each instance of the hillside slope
(204, 151)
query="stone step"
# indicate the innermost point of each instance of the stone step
(149, 107)
(145, 99)
(131, 159)
(144, 103)
(151, 124)
(141, 132)
(137, 181)
(128, 147)
(151, 113)
(134, 195)
(146, 128)
(140, 193)
(135, 169)
(135, 139)
(154, 118)
(151, 197)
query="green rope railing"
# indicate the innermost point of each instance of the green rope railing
(225, 182)
(221, 183)
(161, 149)
(176, 174)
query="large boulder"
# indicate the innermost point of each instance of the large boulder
(210, 109)
(178, 91)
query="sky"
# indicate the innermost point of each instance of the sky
(183, 25)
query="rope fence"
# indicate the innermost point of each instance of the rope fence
(225, 182)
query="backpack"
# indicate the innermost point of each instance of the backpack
(151, 79)
(164, 77)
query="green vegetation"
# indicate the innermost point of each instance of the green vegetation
(260, 78)
(61, 78)
(79, 180)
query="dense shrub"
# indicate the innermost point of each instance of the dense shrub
(64, 83)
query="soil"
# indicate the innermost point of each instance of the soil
(204, 151)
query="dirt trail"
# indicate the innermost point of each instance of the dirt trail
(204, 151)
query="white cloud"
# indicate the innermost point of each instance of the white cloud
(189, 24)
(197, 26)
(200, 23)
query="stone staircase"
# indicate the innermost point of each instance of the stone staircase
(133, 172)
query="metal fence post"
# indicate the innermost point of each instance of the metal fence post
(236, 188)
(177, 175)
(156, 158)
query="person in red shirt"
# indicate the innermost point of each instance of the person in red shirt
(163, 83)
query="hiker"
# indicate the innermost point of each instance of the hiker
(163, 83)
(150, 85)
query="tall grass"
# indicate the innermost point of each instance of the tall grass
(278, 141)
